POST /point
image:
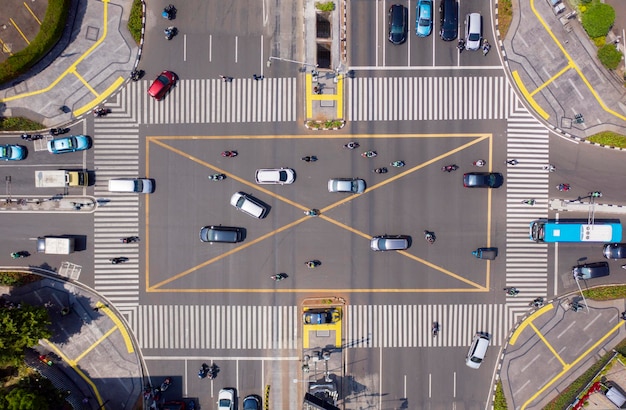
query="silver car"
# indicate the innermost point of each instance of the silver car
(275, 176)
(351, 185)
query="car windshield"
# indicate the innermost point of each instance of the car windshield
(474, 37)
(224, 402)
(163, 80)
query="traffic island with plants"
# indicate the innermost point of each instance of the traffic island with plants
(327, 125)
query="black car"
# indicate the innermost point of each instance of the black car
(252, 402)
(591, 270)
(221, 234)
(614, 251)
(483, 180)
(449, 13)
(398, 19)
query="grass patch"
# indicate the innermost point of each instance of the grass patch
(505, 15)
(19, 124)
(17, 278)
(499, 401)
(135, 21)
(606, 293)
(611, 139)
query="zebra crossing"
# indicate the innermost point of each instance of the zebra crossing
(202, 101)
(428, 98)
(364, 326)
(116, 154)
(526, 261)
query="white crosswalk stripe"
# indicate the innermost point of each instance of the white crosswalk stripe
(203, 101)
(526, 261)
(116, 154)
(427, 98)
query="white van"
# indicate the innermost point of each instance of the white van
(477, 350)
(136, 185)
(249, 205)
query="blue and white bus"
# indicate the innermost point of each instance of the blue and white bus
(576, 230)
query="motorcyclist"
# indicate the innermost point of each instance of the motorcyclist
(312, 212)
(309, 158)
(369, 154)
(352, 145)
(397, 164)
(429, 236)
(435, 328)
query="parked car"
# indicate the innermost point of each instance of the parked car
(449, 16)
(321, 316)
(275, 176)
(473, 31)
(12, 152)
(69, 144)
(252, 402)
(389, 243)
(221, 234)
(351, 185)
(424, 18)
(162, 84)
(483, 180)
(226, 399)
(590, 270)
(614, 250)
(398, 18)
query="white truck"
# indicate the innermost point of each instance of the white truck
(60, 179)
(55, 245)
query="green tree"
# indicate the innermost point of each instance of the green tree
(609, 56)
(21, 328)
(598, 19)
(34, 392)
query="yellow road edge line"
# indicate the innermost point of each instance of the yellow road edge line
(569, 366)
(32, 13)
(95, 344)
(308, 83)
(527, 96)
(14, 24)
(573, 64)
(548, 345)
(305, 337)
(73, 66)
(87, 107)
(182, 153)
(340, 85)
(551, 79)
(75, 367)
(527, 322)
(119, 325)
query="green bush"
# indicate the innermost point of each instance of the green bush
(499, 401)
(135, 20)
(19, 124)
(49, 34)
(609, 56)
(598, 19)
(326, 6)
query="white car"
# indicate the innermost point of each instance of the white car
(473, 31)
(226, 399)
(275, 176)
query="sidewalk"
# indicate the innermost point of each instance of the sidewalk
(554, 65)
(93, 59)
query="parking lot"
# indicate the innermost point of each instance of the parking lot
(185, 200)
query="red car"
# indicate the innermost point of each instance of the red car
(161, 85)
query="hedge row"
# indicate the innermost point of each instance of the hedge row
(49, 34)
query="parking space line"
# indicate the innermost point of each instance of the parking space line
(5, 48)
(18, 30)
(32, 13)
(162, 142)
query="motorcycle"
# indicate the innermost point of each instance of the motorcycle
(380, 170)
(312, 264)
(136, 75)
(212, 371)
(101, 112)
(166, 383)
(217, 177)
(512, 162)
(28, 137)
(169, 12)
(309, 158)
(430, 237)
(20, 254)
(279, 276)
(529, 201)
(369, 154)
(397, 164)
(449, 168)
(204, 371)
(479, 163)
(115, 261)
(170, 32)
(511, 291)
(230, 154)
(352, 145)
(538, 302)
(435, 329)
(563, 187)
(59, 131)
(549, 168)
(130, 239)
(312, 212)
